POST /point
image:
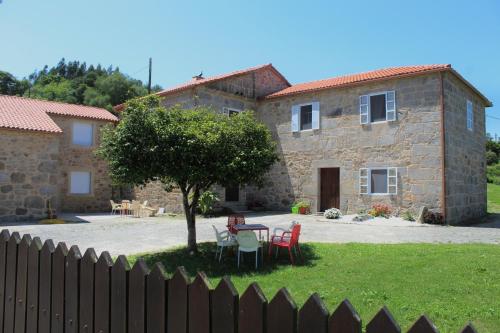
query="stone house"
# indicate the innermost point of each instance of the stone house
(408, 136)
(47, 154)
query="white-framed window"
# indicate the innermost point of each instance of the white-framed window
(470, 116)
(305, 116)
(80, 182)
(83, 134)
(230, 111)
(377, 107)
(378, 181)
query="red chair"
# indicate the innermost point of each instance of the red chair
(233, 220)
(289, 240)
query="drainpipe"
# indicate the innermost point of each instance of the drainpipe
(443, 151)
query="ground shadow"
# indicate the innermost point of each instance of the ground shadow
(491, 220)
(205, 261)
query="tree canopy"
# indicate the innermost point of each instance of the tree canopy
(75, 82)
(192, 149)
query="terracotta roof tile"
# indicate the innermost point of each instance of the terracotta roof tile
(357, 78)
(33, 114)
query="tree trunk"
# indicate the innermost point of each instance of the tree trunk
(190, 212)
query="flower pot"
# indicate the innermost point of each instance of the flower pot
(295, 210)
(303, 210)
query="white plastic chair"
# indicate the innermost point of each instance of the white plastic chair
(248, 242)
(224, 239)
(115, 207)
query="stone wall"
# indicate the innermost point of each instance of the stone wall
(78, 158)
(29, 174)
(465, 153)
(412, 144)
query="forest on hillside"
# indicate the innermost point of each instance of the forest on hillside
(76, 82)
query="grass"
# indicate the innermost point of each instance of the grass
(452, 284)
(493, 198)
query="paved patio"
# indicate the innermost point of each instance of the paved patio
(129, 235)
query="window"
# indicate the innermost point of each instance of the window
(83, 134)
(470, 116)
(305, 117)
(80, 182)
(377, 107)
(230, 111)
(378, 181)
(232, 193)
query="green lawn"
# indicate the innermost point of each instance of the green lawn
(493, 198)
(451, 283)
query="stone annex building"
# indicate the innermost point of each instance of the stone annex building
(408, 136)
(47, 154)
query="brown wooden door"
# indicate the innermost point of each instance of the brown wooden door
(330, 188)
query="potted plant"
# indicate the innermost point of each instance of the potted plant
(303, 206)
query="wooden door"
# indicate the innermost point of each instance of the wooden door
(330, 188)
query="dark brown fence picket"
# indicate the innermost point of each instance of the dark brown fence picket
(119, 294)
(45, 295)
(71, 278)
(21, 284)
(4, 239)
(383, 322)
(87, 289)
(253, 309)
(156, 300)
(137, 297)
(282, 313)
(177, 306)
(199, 305)
(10, 283)
(313, 316)
(102, 311)
(45, 289)
(33, 285)
(225, 302)
(345, 319)
(58, 270)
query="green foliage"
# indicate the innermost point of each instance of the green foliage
(207, 202)
(74, 82)
(491, 158)
(493, 174)
(408, 216)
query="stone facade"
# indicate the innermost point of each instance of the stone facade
(35, 167)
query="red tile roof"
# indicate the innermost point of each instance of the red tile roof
(197, 82)
(347, 80)
(33, 114)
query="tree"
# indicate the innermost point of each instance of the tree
(9, 85)
(491, 158)
(192, 149)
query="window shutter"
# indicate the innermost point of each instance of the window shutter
(470, 116)
(315, 115)
(295, 118)
(390, 106)
(364, 117)
(392, 180)
(363, 181)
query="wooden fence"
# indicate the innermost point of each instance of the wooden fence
(44, 288)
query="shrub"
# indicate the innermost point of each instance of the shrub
(207, 201)
(433, 218)
(380, 209)
(408, 216)
(491, 158)
(332, 213)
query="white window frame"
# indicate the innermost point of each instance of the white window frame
(470, 115)
(70, 189)
(365, 181)
(365, 110)
(73, 133)
(227, 111)
(316, 116)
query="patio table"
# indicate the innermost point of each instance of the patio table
(253, 227)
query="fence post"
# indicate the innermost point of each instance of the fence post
(58, 268)
(423, 325)
(137, 297)
(383, 322)
(199, 304)
(71, 285)
(224, 303)
(344, 319)
(177, 303)
(119, 295)
(87, 271)
(4, 241)
(21, 284)
(10, 283)
(45, 302)
(253, 308)
(282, 313)
(102, 309)
(33, 285)
(469, 329)
(313, 316)
(156, 300)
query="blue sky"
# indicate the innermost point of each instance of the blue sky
(305, 40)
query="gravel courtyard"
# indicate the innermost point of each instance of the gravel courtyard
(127, 235)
